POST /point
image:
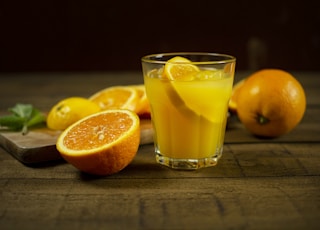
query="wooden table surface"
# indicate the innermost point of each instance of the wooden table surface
(257, 184)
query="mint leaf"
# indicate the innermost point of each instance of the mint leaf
(11, 121)
(22, 110)
(36, 118)
(23, 116)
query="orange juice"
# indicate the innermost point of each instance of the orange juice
(189, 116)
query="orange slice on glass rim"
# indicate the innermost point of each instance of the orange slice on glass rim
(179, 68)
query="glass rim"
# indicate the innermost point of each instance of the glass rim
(228, 58)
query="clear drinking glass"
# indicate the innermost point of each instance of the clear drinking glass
(189, 98)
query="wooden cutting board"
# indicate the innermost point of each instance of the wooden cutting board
(39, 145)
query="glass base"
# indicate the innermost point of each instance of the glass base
(187, 164)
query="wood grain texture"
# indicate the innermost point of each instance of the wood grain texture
(253, 187)
(257, 184)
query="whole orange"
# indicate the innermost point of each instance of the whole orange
(271, 102)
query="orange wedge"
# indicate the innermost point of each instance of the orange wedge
(103, 143)
(143, 106)
(116, 97)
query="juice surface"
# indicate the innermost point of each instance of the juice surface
(189, 117)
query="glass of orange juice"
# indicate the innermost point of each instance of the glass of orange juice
(188, 95)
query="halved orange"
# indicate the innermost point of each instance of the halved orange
(179, 68)
(116, 97)
(103, 143)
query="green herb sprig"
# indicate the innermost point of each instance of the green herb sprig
(22, 117)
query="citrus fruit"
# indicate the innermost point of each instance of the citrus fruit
(143, 106)
(234, 96)
(178, 68)
(70, 110)
(116, 97)
(271, 102)
(103, 143)
(189, 86)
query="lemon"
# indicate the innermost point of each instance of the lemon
(70, 110)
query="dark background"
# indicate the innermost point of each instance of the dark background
(102, 35)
